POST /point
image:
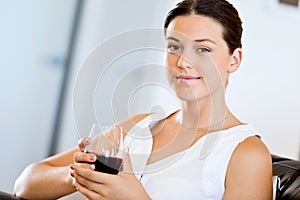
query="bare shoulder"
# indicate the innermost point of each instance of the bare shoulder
(249, 172)
(252, 151)
(251, 148)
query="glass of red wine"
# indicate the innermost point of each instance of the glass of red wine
(106, 142)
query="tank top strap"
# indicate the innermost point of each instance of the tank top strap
(139, 140)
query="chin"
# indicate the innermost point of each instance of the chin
(187, 96)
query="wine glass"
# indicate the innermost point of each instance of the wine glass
(106, 142)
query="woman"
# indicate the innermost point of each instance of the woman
(201, 151)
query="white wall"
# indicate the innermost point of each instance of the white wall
(263, 91)
(32, 61)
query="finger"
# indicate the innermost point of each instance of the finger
(83, 143)
(84, 157)
(98, 188)
(83, 181)
(91, 175)
(90, 194)
(83, 165)
(127, 167)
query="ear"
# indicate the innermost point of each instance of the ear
(235, 60)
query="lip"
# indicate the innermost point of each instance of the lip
(187, 77)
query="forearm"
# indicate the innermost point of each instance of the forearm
(40, 181)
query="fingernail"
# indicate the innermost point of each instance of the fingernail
(92, 166)
(72, 174)
(93, 157)
(72, 166)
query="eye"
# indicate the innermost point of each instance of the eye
(173, 48)
(203, 50)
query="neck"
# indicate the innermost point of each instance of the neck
(209, 113)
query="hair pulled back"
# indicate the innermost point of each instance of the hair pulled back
(220, 10)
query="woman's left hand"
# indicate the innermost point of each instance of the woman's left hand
(98, 185)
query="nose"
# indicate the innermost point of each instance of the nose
(183, 62)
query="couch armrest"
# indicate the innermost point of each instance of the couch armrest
(8, 196)
(288, 171)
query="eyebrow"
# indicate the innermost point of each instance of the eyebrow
(198, 40)
(172, 38)
(205, 40)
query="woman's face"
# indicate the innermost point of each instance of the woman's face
(198, 58)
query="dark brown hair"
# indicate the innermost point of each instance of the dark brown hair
(220, 10)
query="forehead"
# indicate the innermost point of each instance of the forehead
(195, 27)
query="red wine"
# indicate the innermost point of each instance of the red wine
(110, 165)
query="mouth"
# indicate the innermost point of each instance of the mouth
(187, 77)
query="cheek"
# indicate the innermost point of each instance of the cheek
(214, 72)
(171, 60)
(170, 75)
(171, 66)
(222, 70)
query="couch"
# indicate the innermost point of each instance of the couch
(287, 171)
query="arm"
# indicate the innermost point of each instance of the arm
(48, 179)
(249, 172)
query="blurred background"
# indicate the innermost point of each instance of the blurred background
(43, 44)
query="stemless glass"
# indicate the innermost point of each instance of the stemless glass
(106, 142)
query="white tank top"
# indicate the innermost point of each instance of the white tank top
(196, 173)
